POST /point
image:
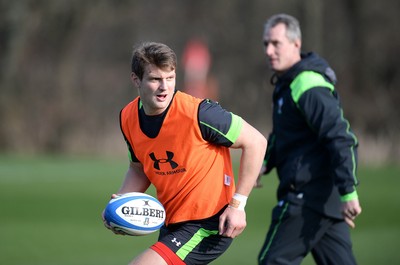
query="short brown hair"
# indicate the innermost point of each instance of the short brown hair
(154, 53)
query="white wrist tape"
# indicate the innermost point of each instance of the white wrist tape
(238, 201)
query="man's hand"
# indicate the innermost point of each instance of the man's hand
(115, 231)
(350, 210)
(232, 222)
(258, 183)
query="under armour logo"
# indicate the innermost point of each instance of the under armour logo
(169, 160)
(177, 243)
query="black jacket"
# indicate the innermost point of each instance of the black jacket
(311, 145)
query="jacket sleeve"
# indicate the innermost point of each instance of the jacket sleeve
(322, 110)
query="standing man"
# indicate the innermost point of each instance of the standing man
(180, 144)
(314, 152)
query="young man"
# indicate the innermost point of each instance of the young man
(314, 152)
(180, 144)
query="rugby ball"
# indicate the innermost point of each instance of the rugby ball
(135, 214)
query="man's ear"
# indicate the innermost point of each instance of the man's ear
(135, 80)
(297, 43)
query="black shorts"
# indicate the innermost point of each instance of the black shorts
(194, 242)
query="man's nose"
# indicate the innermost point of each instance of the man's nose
(268, 49)
(163, 84)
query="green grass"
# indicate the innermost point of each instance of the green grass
(50, 214)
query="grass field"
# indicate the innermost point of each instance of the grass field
(50, 214)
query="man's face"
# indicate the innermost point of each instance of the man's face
(156, 88)
(281, 52)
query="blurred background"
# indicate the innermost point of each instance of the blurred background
(65, 75)
(65, 65)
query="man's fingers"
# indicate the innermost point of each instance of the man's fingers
(229, 230)
(352, 214)
(237, 232)
(226, 229)
(232, 231)
(350, 221)
(349, 217)
(118, 231)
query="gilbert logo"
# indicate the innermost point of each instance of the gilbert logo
(168, 159)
